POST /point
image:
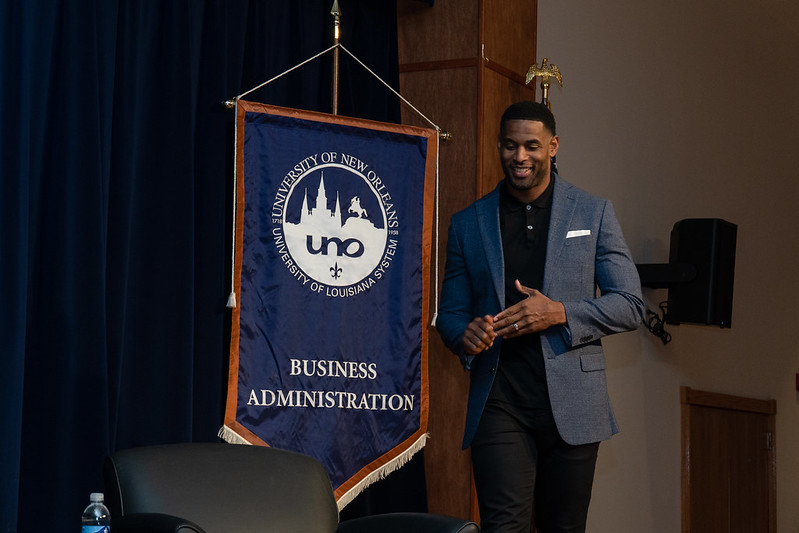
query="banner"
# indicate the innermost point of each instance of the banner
(328, 352)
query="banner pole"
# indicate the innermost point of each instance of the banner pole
(336, 12)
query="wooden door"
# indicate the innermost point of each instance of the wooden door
(728, 475)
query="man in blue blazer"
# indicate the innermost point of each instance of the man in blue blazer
(537, 273)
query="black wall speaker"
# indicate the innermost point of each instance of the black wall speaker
(709, 245)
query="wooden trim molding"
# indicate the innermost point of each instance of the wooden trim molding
(727, 401)
(465, 62)
(446, 64)
(506, 72)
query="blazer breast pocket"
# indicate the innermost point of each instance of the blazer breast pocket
(592, 361)
(580, 240)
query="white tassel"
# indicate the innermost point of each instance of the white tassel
(231, 301)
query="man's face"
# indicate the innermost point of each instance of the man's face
(525, 150)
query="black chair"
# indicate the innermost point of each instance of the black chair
(221, 488)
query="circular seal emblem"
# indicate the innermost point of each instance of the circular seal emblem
(335, 225)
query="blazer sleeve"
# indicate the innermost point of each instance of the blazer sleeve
(454, 312)
(619, 306)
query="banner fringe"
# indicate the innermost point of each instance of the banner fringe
(381, 473)
(230, 436)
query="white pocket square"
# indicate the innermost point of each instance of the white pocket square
(578, 233)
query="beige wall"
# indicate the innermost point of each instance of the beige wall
(681, 109)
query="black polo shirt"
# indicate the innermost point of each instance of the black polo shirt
(521, 378)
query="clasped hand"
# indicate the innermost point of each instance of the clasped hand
(534, 313)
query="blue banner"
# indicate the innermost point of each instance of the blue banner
(329, 341)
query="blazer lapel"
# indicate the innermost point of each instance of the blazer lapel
(488, 223)
(563, 206)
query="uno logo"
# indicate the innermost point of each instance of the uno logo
(335, 225)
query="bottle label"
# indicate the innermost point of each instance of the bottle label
(96, 529)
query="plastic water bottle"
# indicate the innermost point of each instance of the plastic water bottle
(96, 518)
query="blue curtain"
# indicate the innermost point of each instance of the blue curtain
(115, 209)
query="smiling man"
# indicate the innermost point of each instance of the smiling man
(519, 306)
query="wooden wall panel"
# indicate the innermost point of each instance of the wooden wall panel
(510, 33)
(443, 32)
(448, 97)
(444, 96)
(445, 74)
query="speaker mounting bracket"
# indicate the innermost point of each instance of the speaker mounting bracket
(662, 275)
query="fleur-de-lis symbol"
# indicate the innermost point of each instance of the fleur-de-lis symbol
(335, 271)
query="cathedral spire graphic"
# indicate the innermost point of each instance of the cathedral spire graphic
(319, 211)
(304, 208)
(321, 197)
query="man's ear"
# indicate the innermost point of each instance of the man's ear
(554, 144)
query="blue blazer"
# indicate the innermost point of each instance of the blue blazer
(585, 252)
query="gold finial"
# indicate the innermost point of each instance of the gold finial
(336, 12)
(545, 71)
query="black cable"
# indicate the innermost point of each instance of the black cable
(655, 323)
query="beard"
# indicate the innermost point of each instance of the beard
(526, 178)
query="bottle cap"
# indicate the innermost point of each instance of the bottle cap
(97, 497)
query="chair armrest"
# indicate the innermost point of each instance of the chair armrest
(153, 523)
(404, 522)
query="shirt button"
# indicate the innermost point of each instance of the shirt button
(529, 207)
(529, 227)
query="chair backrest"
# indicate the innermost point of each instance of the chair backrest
(223, 487)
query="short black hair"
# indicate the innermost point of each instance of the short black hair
(527, 110)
